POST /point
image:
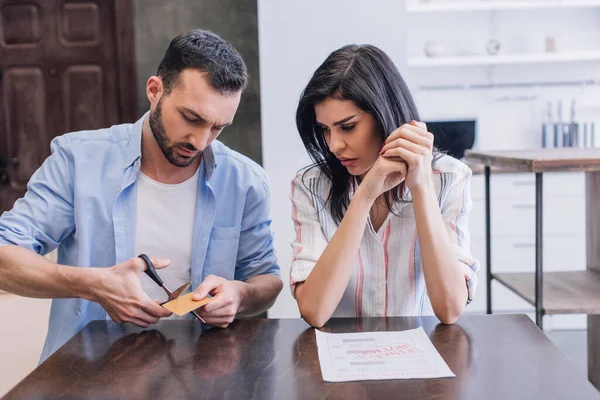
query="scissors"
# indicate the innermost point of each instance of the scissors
(151, 272)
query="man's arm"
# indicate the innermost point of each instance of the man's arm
(28, 274)
(117, 289)
(258, 294)
(37, 224)
(257, 282)
(235, 298)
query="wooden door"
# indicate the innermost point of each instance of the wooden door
(64, 66)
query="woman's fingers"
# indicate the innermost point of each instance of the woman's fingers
(398, 153)
(420, 124)
(405, 144)
(411, 134)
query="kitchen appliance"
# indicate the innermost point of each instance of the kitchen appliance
(453, 137)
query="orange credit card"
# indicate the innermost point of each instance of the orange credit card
(185, 304)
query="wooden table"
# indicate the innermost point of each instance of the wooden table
(554, 292)
(493, 357)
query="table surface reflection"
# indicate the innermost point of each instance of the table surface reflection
(493, 357)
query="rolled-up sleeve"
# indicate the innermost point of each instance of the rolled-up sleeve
(310, 241)
(256, 253)
(44, 217)
(456, 207)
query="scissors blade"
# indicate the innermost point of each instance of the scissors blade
(179, 291)
(199, 317)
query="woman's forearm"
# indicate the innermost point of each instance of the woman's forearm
(320, 294)
(443, 277)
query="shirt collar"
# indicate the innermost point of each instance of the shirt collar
(134, 149)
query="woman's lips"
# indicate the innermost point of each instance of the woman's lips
(348, 162)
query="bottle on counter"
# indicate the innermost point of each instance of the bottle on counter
(573, 127)
(558, 131)
(547, 127)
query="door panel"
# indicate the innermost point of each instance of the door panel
(62, 69)
(21, 24)
(79, 24)
(26, 123)
(83, 98)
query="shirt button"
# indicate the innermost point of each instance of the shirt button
(137, 163)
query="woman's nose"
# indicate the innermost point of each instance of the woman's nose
(336, 144)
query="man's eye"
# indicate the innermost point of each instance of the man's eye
(189, 119)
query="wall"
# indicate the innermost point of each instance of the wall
(295, 37)
(159, 21)
(24, 328)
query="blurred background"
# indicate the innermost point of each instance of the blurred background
(493, 74)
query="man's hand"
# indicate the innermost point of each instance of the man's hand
(120, 293)
(227, 297)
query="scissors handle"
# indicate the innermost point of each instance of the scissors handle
(150, 271)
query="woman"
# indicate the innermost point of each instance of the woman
(376, 185)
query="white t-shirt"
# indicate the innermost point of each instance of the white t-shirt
(164, 225)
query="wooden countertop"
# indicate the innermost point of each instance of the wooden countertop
(538, 160)
(493, 357)
(479, 169)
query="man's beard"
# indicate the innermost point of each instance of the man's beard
(158, 130)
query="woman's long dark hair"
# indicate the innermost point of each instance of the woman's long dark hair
(365, 75)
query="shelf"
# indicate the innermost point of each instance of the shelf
(505, 59)
(456, 6)
(573, 292)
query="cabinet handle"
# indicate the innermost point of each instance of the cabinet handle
(524, 183)
(524, 206)
(523, 245)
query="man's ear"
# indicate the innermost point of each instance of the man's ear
(154, 89)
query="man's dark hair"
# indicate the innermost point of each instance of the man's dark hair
(207, 52)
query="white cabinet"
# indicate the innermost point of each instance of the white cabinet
(562, 216)
(513, 230)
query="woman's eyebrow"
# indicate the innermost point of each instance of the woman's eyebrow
(344, 120)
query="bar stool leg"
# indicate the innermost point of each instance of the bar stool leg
(488, 241)
(539, 235)
(592, 211)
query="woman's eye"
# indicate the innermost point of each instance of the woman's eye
(347, 128)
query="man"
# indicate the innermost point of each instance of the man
(162, 186)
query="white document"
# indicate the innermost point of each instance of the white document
(379, 355)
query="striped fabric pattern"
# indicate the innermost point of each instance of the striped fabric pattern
(387, 277)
